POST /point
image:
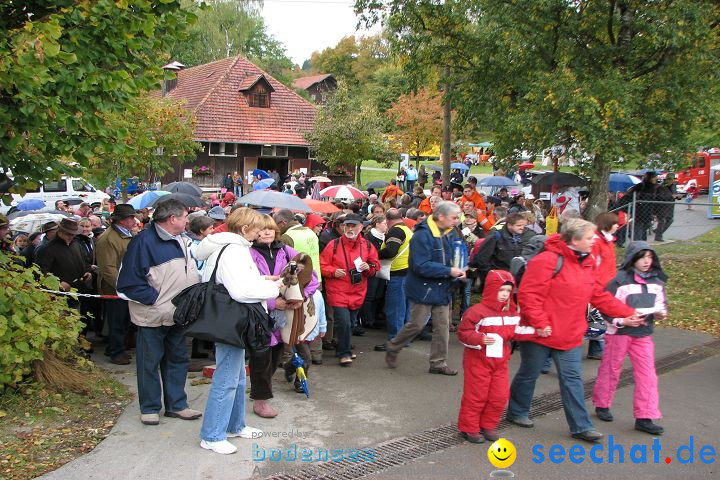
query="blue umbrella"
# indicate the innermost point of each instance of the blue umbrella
(260, 173)
(459, 166)
(30, 204)
(496, 182)
(146, 198)
(263, 184)
(620, 182)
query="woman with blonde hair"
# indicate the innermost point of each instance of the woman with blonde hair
(225, 410)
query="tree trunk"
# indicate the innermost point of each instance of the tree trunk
(598, 201)
(357, 176)
(445, 151)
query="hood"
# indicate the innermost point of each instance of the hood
(216, 241)
(494, 280)
(430, 224)
(555, 243)
(533, 246)
(633, 249)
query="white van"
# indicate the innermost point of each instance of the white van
(50, 191)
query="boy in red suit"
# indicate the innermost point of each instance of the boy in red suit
(486, 388)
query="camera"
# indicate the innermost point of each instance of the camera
(355, 276)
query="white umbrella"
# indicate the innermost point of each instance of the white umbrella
(345, 192)
(32, 222)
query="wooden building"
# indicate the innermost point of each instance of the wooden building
(317, 86)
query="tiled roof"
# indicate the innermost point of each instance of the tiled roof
(222, 114)
(303, 83)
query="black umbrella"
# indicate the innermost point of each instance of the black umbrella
(188, 200)
(559, 178)
(378, 184)
(434, 167)
(183, 187)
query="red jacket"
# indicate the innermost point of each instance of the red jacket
(604, 252)
(562, 301)
(340, 291)
(491, 316)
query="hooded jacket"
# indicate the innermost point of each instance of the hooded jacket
(340, 291)
(491, 316)
(237, 270)
(561, 300)
(638, 290)
(428, 280)
(604, 252)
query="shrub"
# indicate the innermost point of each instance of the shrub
(32, 322)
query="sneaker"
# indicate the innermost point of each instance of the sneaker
(380, 348)
(222, 447)
(489, 434)
(521, 421)
(604, 414)
(472, 437)
(646, 425)
(246, 432)
(596, 356)
(444, 370)
(588, 436)
(345, 361)
(185, 414)
(150, 419)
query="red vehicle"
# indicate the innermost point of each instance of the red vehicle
(698, 172)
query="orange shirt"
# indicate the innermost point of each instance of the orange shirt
(391, 192)
(425, 206)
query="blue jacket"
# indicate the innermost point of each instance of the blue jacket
(428, 279)
(154, 269)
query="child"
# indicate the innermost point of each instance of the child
(640, 284)
(486, 388)
(691, 193)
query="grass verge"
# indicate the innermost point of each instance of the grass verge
(41, 429)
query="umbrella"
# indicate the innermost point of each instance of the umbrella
(146, 198)
(18, 214)
(320, 206)
(73, 200)
(559, 178)
(263, 184)
(496, 182)
(526, 166)
(32, 221)
(183, 187)
(260, 173)
(188, 200)
(30, 204)
(378, 184)
(346, 192)
(273, 199)
(620, 182)
(321, 179)
(459, 166)
(434, 167)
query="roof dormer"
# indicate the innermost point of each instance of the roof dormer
(257, 90)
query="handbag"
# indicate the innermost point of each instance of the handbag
(384, 272)
(206, 311)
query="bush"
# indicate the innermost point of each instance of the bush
(32, 322)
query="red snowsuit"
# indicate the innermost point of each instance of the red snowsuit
(486, 386)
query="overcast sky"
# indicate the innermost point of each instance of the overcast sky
(305, 26)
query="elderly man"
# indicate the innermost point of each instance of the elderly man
(156, 267)
(427, 284)
(425, 206)
(110, 250)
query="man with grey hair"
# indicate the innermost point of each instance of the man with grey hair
(427, 284)
(157, 266)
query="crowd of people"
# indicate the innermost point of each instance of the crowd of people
(436, 249)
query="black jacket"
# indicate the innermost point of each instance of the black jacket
(497, 251)
(62, 260)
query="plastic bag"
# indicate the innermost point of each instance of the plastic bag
(551, 222)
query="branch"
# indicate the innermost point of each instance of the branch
(664, 57)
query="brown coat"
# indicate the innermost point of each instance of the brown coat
(110, 250)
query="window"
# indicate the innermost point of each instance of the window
(80, 185)
(222, 149)
(56, 186)
(274, 151)
(701, 162)
(261, 100)
(281, 151)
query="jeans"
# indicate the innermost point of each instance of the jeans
(397, 305)
(596, 347)
(410, 186)
(118, 318)
(465, 295)
(237, 191)
(225, 408)
(345, 319)
(163, 348)
(569, 368)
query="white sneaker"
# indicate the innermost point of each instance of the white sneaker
(247, 432)
(222, 447)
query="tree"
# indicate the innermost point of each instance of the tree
(227, 27)
(64, 65)
(609, 81)
(418, 119)
(348, 131)
(338, 60)
(152, 134)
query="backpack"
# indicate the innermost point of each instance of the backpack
(534, 246)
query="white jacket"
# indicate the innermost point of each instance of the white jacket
(237, 270)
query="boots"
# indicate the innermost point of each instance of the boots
(646, 425)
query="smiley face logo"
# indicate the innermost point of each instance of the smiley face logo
(502, 453)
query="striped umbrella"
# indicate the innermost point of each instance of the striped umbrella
(345, 192)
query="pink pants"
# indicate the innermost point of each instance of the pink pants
(642, 356)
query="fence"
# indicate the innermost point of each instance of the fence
(651, 219)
